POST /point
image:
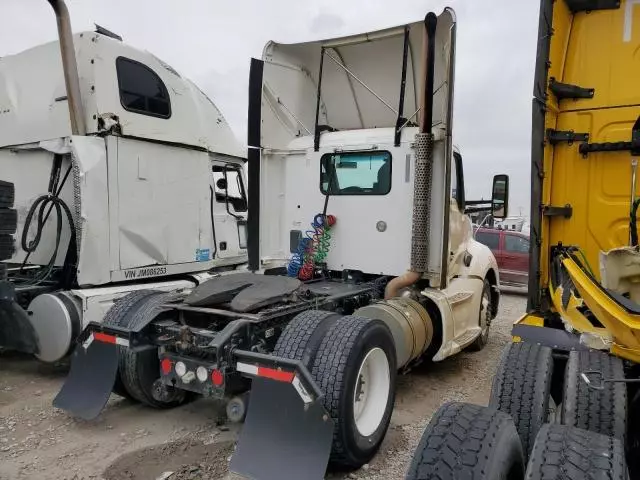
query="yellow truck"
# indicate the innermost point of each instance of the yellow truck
(565, 401)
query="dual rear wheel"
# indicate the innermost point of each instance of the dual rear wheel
(352, 359)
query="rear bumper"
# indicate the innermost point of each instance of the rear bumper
(221, 373)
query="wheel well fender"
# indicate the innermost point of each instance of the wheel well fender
(438, 328)
(492, 278)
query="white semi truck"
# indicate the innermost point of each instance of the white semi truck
(362, 261)
(118, 174)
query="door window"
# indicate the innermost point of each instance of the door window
(355, 173)
(228, 187)
(457, 180)
(516, 244)
(490, 239)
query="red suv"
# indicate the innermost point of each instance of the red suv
(511, 250)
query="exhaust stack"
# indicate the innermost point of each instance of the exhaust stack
(424, 170)
(70, 67)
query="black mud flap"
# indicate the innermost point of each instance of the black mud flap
(282, 439)
(16, 331)
(90, 381)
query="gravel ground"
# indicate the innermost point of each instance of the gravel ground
(130, 442)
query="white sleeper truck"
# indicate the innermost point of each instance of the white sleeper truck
(116, 174)
(362, 261)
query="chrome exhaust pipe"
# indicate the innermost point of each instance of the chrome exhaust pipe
(70, 67)
(421, 227)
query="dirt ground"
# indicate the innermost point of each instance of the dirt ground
(129, 441)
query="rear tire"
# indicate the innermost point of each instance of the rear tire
(7, 194)
(302, 336)
(468, 441)
(521, 388)
(118, 315)
(140, 371)
(484, 318)
(355, 367)
(8, 220)
(7, 246)
(561, 452)
(600, 411)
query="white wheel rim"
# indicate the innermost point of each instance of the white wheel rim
(371, 392)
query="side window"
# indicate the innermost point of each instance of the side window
(454, 180)
(355, 173)
(228, 187)
(457, 180)
(490, 239)
(515, 243)
(141, 89)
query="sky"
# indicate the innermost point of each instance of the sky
(211, 42)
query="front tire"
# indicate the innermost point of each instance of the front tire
(355, 367)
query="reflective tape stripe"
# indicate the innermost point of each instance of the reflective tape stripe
(88, 342)
(277, 375)
(265, 372)
(247, 368)
(273, 374)
(304, 395)
(104, 338)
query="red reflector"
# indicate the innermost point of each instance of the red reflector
(217, 378)
(278, 375)
(165, 366)
(103, 337)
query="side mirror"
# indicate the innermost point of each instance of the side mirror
(222, 183)
(500, 197)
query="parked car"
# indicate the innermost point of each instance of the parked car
(511, 250)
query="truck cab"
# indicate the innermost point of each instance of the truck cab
(144, 184)
(338, 136)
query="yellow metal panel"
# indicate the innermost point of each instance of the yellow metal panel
(628, 353)
(561, 24)
(603, 54)
(571, 314)
(530, 319)
(597, 187)
(601, 50)
(624, 327)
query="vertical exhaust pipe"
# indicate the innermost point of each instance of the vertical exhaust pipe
(420, 230)
(69, 67)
